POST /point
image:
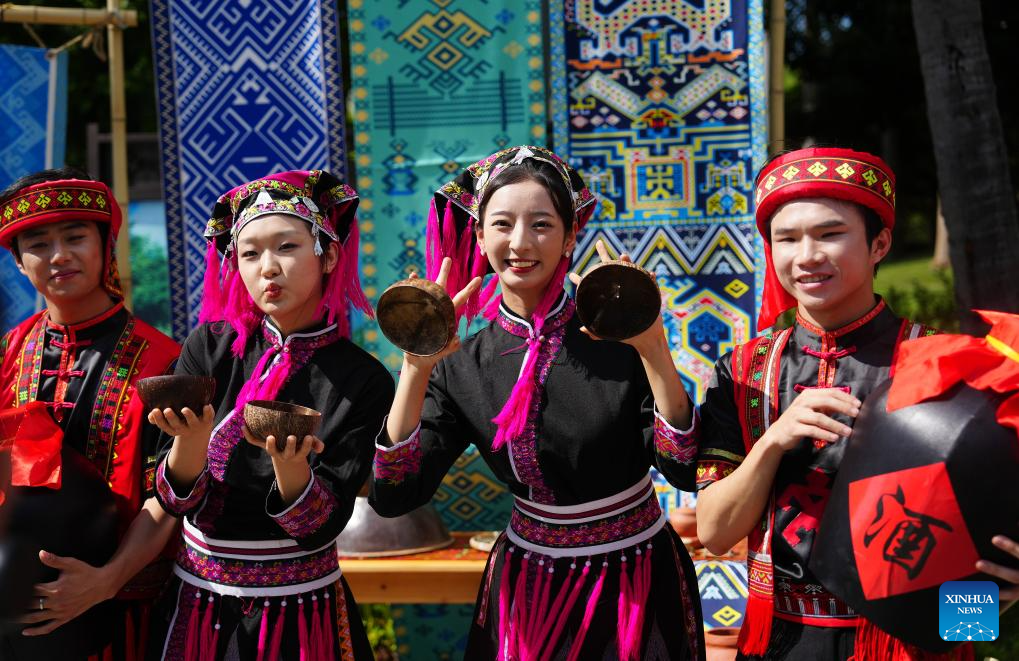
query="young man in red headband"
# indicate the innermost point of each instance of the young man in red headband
(777, 417)
(81, 356)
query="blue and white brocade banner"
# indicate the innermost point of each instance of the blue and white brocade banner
(245, 88)
(33, 128)
(661, 106)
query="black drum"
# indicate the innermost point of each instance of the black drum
(78, 520)
(917, 498)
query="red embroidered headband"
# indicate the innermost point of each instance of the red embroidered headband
(62, 201)
(841, 174)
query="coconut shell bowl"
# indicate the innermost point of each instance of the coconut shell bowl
(618, 300)
(265, 418)
(417, 316)
(176, 392)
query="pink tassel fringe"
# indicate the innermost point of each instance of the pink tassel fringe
(263, 631)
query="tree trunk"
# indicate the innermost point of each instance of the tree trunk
(969, 149)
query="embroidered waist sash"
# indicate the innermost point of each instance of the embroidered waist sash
(256, 568)
(599, 526)
(811, 603)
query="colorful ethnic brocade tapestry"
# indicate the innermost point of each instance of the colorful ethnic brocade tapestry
(660, 105)
(245, 88)
(436, 86)
(33, 127)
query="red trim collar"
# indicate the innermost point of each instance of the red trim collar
(848, 328)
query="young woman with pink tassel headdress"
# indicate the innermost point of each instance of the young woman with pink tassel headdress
(257, 572)
(588, 568)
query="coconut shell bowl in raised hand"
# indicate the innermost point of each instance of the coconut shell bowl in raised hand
(617, 300)
(417, 316)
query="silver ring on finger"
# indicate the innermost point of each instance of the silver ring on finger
(41, 607)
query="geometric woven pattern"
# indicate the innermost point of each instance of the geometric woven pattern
(655, 104)
(436, 85)
(33, 93)
(471, 498)
(245, 88)
(723, 588)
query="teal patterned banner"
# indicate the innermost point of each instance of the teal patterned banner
(436, 85)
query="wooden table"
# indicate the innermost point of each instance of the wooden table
(447, 576)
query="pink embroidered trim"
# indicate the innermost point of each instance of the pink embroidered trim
(592, 533)
(173, 503)
(309, 512)
(393, 464)
(262, 573)
(673, 444)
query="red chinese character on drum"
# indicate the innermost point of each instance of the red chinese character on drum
(908, 532)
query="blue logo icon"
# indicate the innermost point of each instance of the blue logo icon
(968, 611)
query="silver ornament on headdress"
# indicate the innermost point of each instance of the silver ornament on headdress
(263, 198)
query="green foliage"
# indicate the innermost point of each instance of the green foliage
(1007, 646)
(930, 303)
(378, 622)
(150, 290)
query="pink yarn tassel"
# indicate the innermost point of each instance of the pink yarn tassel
(316, 631)
(263, 631)
(328, 624)
(333, 303)
(277, 632)
(513, 416)
(517, 605)
(302, 629)
(433, 253)
(504, 605)
(351, 270)
(592, 604)
(214, 643)
(558, 615)
(540, 613)
(623, 606)
(270, 386)
(212, 290)
(193, 637)
(448, 243)
(239, 311)
(633, 607)
(207, 631)
(478, 269)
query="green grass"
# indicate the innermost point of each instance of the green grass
(905, 273)
(918, 292)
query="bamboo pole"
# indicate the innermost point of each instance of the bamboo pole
(118, 144)
(11, 13)
(776, 77)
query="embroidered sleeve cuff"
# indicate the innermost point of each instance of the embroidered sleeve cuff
(674, 444)
(173, 503)
(393, 464)
(308, 513)
(712, 470)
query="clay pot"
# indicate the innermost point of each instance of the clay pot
(176, 392)
(684, 521)
(617, 300)
(721, 643)
(266, 418)
(417, 316)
